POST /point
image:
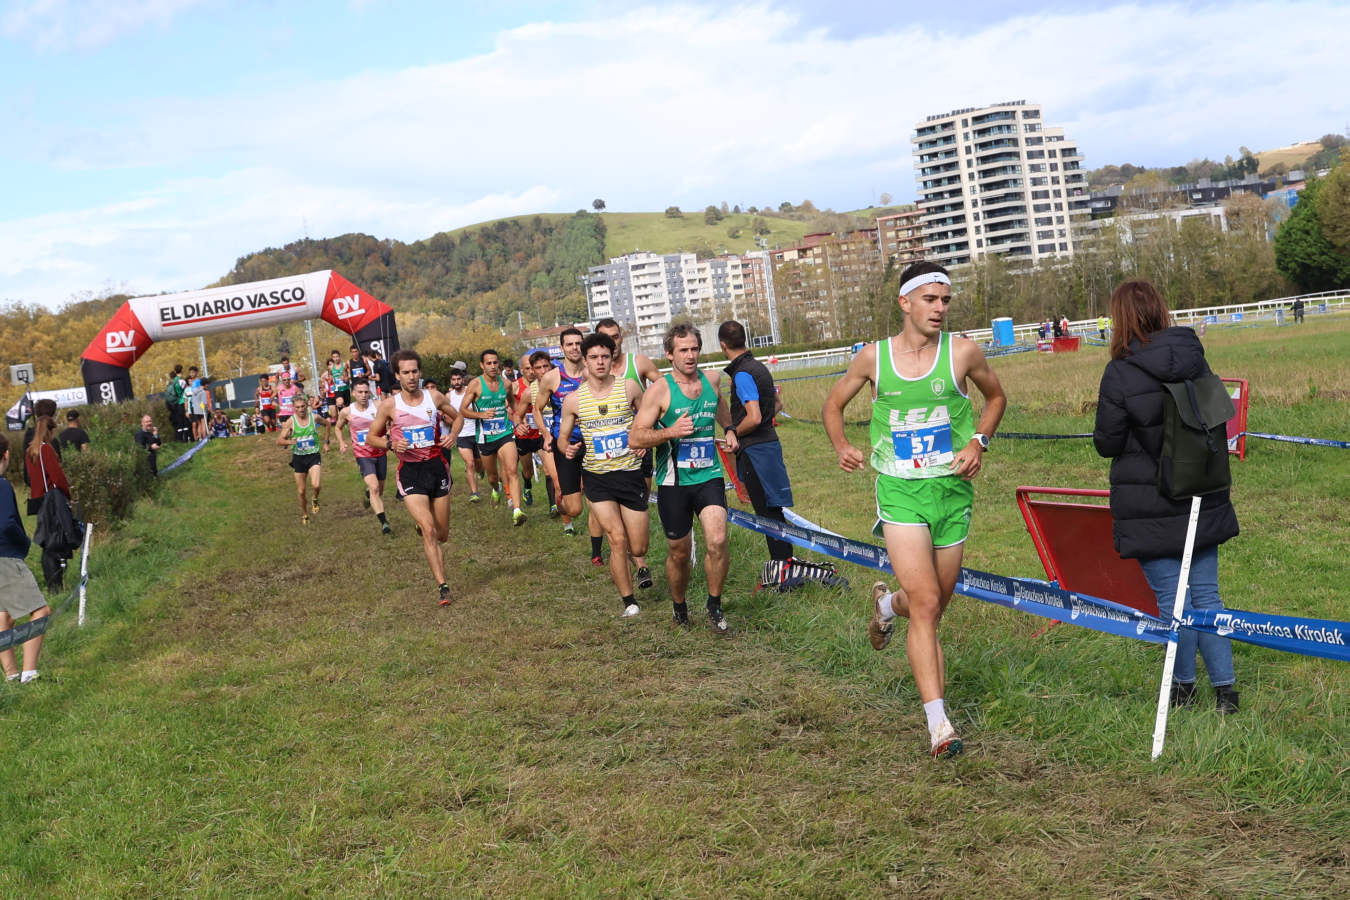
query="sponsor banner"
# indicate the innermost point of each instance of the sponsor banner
(23, 407)
(232, 307)
(1309, 637)
(122, 341)
(349, 308)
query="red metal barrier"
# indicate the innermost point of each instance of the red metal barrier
(1237, 426)
(1077, 550)
(1066, 344)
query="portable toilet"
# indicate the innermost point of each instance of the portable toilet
(1003, 332)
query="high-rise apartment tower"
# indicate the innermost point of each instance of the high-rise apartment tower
(994, 179)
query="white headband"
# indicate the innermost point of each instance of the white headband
(919, 281)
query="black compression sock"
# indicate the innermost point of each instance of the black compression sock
(595, 545)
(383, 520)
(714, 602)
(628, 601)
(681, 609)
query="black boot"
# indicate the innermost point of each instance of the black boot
(1227, 699)
(1183, 694)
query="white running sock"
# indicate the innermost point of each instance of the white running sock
(14, 677)
(28, 675)
(936, 711)
(887, 612)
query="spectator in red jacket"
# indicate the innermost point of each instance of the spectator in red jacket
(19, 594)
(45, 474)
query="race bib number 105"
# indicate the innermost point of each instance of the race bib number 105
(609, 446)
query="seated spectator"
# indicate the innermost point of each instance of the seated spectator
(74, 435)
(19, 594)
(45, 474)
(148, 437)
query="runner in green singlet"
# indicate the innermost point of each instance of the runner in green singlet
(488, 399)
(926, 450)
(678, 417)
(301, 434)
(341, 380)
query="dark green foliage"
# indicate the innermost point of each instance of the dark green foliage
(1303, 253)
(673, 212)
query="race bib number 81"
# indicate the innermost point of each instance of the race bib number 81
(696, 454)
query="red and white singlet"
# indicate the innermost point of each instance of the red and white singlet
(419, 425)
(358, 424)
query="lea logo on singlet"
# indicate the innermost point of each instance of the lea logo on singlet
(121, 341)
(921, 416)
(348, 307)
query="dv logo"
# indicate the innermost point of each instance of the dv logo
(121, 341)
(348, 307)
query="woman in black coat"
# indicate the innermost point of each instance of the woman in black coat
(1147, 350)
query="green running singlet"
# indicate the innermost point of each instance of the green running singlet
(490, 401)
(693, 459)
(918, 424)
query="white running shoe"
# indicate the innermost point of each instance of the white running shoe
(631, 610)
(945, 742)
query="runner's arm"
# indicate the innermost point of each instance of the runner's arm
(845, 389)
(342, 416)
(283, 439)
(546, 386)
(569, 420)
(377, 436)
(970, 458)
(466, 410)
(646, 369)
(644, 432)
(446, 410)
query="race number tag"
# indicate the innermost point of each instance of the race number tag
(924, 444)
(610, 445)
(361, 437)
(696, 454)
(358, 372)
(529, 420)
(307, 444)
(420, 437)
(494, 427)
(288, 404)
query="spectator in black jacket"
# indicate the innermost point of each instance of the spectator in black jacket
(1147, 350)
(74, 435)
(148, 437)
(19, 593)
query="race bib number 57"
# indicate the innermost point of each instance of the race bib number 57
(923, 445)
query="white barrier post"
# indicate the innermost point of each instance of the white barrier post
(1183, 582)
(84, 569)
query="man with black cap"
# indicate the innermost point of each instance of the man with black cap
(74, 435)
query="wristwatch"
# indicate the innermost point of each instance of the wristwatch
(983, 440)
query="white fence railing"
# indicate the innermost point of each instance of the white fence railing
(1334, 301)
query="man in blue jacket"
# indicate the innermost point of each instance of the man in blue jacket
(19, 592)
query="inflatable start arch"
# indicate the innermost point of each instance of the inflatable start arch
(106, 362)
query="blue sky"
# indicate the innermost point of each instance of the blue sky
(152, 142)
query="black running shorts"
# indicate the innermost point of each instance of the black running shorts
(428, 477)
(467, 442)
(678, 504)
(492, 448)
(529, 445)
(302, 464)
(373, 465)
(648, 463)
(625, 488)
(569, 470)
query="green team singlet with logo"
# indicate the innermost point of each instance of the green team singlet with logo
(306, 436)
(918, 424)
(494, 402)
(692, 459)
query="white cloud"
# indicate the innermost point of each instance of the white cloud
(681, 105)
(59, 25)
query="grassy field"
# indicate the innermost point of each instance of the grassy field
(1293, 156)
(260, 709)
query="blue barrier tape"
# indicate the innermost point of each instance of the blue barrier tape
(1317, 442)
(1309, 637)
(192, 451)
(32, 628)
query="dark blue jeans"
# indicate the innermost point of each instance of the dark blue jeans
(1201, 593)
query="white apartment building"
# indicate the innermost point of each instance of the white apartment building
(995, 179)
(645, 292)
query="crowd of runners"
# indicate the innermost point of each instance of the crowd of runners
(602, 427)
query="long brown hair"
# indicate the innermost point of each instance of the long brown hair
(1137, 310)
(43, 430)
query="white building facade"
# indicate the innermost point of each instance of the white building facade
(995, 179)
